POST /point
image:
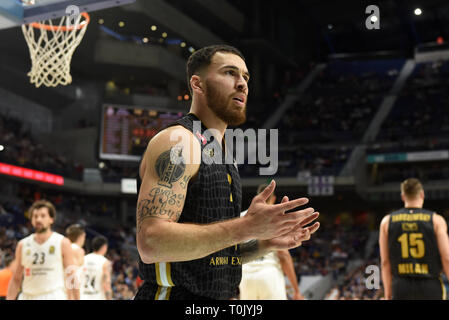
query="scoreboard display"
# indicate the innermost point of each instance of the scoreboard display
(126, 130)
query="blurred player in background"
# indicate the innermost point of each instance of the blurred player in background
(414, 248)
(97, 272)
(42, 259)
(77, 236)
(6, 275)
(263, 278)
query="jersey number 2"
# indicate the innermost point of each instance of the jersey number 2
(412, 244)
(36, 258)
(89, 281)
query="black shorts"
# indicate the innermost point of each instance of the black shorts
(418, 289)
(150, 291)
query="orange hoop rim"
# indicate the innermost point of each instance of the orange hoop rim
(47, 27)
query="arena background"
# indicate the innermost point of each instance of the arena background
(357, 110)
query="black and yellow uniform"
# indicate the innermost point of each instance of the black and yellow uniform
(215, 195)
(414, 256)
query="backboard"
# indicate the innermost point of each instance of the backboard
(14, 13)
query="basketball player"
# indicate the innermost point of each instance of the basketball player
(77, 237)
(42, 258)
(414, 248)
(263, 278)
(97, 272)
(189, 228)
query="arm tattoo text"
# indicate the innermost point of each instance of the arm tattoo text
(156, 205)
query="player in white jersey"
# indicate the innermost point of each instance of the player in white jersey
(97, 272)
(43, 260)
(77, 237)
(263, 279)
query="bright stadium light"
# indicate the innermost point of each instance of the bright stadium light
(418, 11)
(153, 28)
(2, 148)
(374, 19)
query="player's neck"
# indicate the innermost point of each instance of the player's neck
(209, 120)
(413, 204)
(42, 237)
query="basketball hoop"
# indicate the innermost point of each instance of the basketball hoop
(51, 48)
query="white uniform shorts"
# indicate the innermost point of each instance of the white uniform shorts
(265, 283)
(59, 294)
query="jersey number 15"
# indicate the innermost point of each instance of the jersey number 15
(412, 244)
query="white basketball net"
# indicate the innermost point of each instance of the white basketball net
(51, 50)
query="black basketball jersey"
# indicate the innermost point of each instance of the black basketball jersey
(215, 195)
(412, 244)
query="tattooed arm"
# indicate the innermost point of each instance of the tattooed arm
(107, 280)
(173, 157)
(161, 199)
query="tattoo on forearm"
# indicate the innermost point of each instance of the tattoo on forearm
(185, 181)
(170, 166)
(156, 205)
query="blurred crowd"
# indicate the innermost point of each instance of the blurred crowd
(418, 122)
(19, 148)
(330, 250)
(354, 286)
(420, 112)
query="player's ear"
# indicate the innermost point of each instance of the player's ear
(402, 197)
(196, 83)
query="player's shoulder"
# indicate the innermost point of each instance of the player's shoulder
(385, 220)
(438, 219)
(26, 240)
(171, 135)
(87, 256)
(175, 141)
(63, 240)
(22, 242)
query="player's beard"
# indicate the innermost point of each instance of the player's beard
(40, 229)
(222, 106)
